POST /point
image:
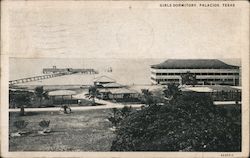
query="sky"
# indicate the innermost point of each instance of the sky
(122, 30)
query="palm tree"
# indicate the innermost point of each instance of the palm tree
(93, 92)
(172, 91)
(147, 97)
(188, 79)
(40, 93)
(21, 99)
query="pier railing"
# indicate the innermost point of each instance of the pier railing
(50, 73)
(35, 78)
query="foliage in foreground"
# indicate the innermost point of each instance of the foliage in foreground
(41, 94)
(190, 123)
(19, 98)
(45, 127)
(93, 92)
(118, 115)
(20, 126)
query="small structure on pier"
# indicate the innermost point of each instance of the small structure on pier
(54, 69)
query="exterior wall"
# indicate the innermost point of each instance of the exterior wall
(240, 72)
(121, 96)
(203, 76)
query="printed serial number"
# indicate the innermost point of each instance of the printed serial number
(227, 155)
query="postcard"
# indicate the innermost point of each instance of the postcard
(124, 78)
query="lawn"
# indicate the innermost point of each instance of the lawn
(78, 131)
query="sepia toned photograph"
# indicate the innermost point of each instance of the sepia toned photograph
(165, 77)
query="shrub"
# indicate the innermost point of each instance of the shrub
(20, 99)
(21, 124)
(125, 111)
(45, 126)
(118, 115)
(190, 123)
(115, 117)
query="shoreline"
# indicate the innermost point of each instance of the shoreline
(66, 86)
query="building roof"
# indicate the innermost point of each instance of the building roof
(149, 87)
(224, 88)
(61, 93)
(198, 89)
(193, 64)
(112, 85)
(210, 88)
(105, 79)
(104, 90)
(122, 91)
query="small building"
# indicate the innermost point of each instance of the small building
(217, 92)
(99, 81)
(225, 98)
(109, 89)
(119, 94)
(62, 97)
(206, 71)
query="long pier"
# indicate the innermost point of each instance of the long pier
(35, 78)
(53, 72)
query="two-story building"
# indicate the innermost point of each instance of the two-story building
(207, 72)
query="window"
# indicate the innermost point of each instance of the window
(230, 79)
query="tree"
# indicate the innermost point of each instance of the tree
(118, 115)
(41, 94)
(172, 91)
(93, 92)
(115, 117)
(191, 123)
(147, 97)
(20, 99)
(188, 79)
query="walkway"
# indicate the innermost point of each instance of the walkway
(226, 103)
(108, 105)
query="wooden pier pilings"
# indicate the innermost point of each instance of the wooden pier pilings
(35, 78)
(53, 72)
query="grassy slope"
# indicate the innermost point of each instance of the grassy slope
(79, 131)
